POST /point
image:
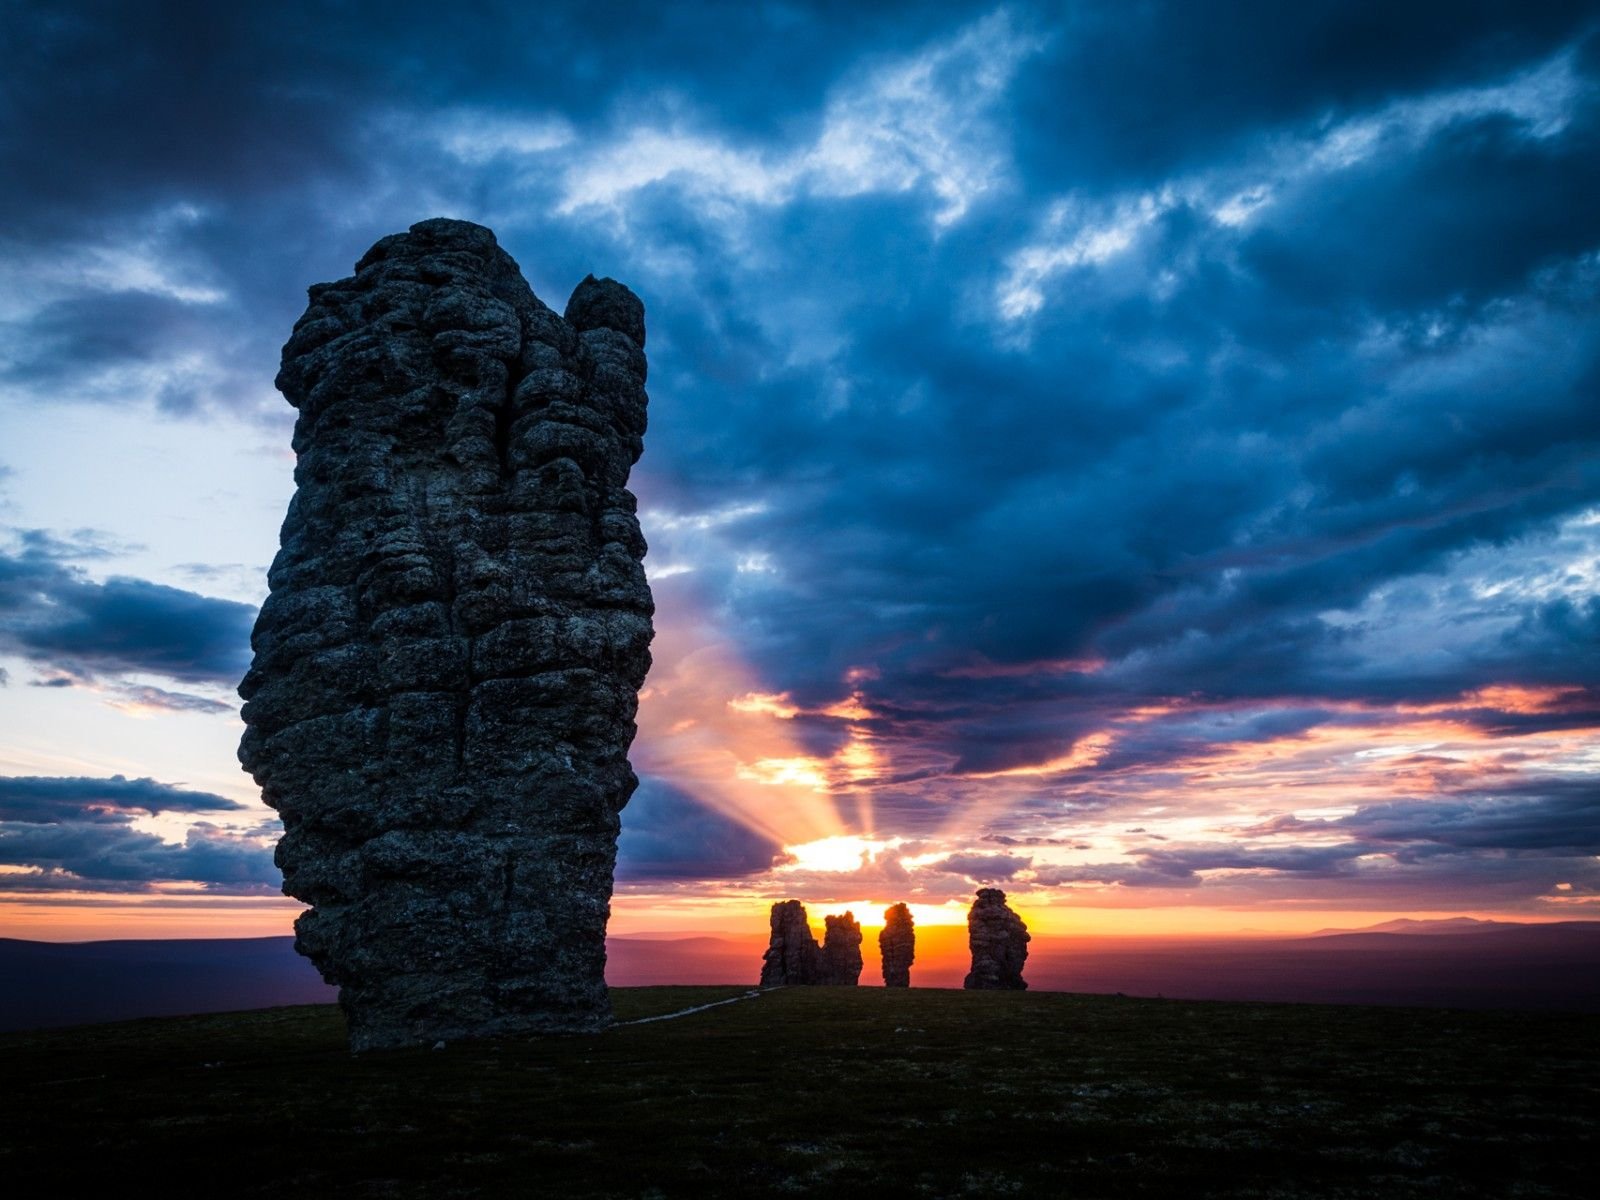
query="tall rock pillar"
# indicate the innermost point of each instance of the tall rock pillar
(999, 942)
(447, 668)
(897, 945)
(841, 951)
(792, 958)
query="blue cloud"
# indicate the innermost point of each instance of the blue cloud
(983, 868)
(54, 615)
(76, 834)
(83, 856)
(1501, 844)
(50, 799)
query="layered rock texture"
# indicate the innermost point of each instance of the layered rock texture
(792, 957)
(897, 945)
(841, 951)
(446, 671)
(999, 942)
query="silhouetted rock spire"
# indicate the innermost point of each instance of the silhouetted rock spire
(999, 942)
(447, 667)
(897, 945)
(792, 956)
(841, 951)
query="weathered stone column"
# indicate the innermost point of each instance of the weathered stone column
(447, 669)
(792, 958)
(999, 942)
(897, 945)
(841, 951)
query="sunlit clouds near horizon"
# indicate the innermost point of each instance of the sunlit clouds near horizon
(1143, 458)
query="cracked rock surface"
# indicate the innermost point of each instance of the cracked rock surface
(447, 668)
(897, 945)
(999, 942)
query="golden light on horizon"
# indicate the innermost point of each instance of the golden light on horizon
(942, 915)
(843, 852)
(774, 704)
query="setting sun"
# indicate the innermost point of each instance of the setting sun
(844, 852)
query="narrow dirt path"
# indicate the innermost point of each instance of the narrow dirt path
(752, 994)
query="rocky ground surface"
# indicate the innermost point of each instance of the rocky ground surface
(824, 1092)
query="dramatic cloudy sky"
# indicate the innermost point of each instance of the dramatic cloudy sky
(1141, 454)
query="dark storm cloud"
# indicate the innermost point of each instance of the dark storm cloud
(46, 799)
(81, 545)
(1138, 91)
(982, 868)
(667, 835)
(1518, 840)
(1340, 877)
(1553, 632)
(969, 528)
(1182, 862)
(54, 615)
(76, 834)
(1558, 817)
(84, 856)
(202, 101)
(157, 153)
(1526, 210)
(1202, 520)
(85, 346)
(1119, 874)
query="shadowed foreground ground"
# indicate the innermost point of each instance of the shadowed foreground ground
(824, 1092)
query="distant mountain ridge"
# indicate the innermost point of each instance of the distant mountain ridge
(1459, 963)
(1456, 925)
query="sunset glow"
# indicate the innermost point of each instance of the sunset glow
(843, 853)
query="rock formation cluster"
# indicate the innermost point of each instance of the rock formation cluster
(897, 945)
(999, 942)
(841, 951)
(997, 936)
(446, 671)
(793, 958)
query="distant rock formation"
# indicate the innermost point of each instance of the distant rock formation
(447, 669)
(897, 945)
(999, 942)
(792, 958)
(841, 951)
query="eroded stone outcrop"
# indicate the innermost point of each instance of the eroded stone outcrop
(793, 957)
(447, 668)
(999, 942)
(897, 945)
(841, 951)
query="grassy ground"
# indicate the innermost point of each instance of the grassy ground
(823, 1092)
